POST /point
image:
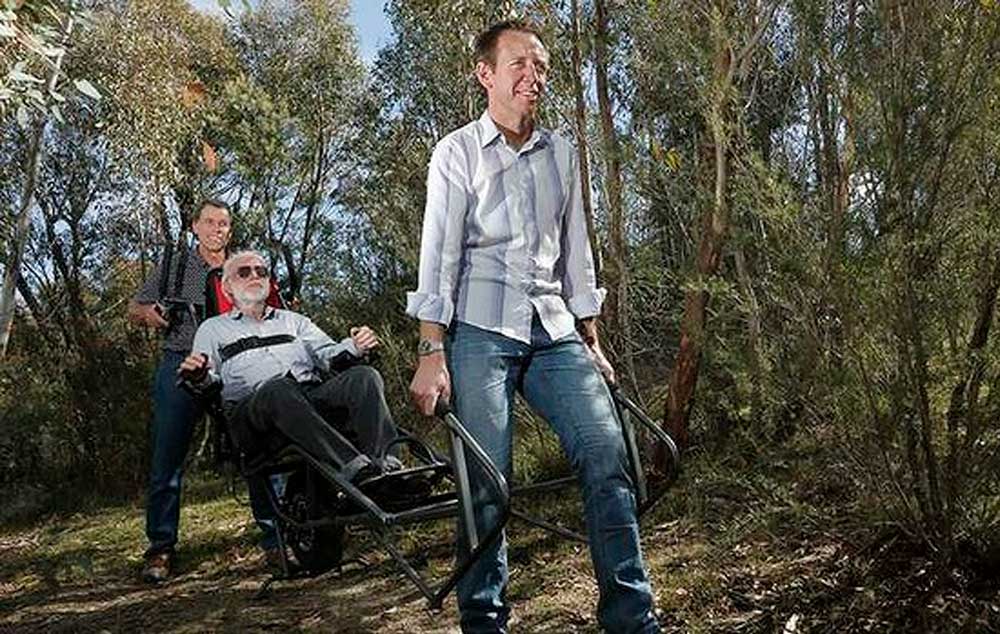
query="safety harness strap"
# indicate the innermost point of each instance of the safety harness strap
(240, 346)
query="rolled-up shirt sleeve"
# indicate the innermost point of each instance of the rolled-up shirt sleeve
(441, 237)
(579, 281)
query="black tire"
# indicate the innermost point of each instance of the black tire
(320, 548)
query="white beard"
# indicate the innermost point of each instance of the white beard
(249, 299)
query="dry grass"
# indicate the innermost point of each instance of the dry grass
(743, 544)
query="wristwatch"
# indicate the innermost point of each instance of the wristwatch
(426, 347)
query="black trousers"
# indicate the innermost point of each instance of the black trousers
(343, 421)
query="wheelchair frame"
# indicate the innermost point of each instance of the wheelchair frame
(370, 514)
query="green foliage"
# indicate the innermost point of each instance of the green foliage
(861, 243)
(72, 424)
(250, 125)
(160, 89)
(33, 39)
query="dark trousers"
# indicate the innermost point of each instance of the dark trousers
(323, 418)
(175, 416)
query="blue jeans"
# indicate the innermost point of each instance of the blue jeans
(561, 383)
(175, 415)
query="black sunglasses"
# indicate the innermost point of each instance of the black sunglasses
(245, 271)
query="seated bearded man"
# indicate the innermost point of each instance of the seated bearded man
(271, 363)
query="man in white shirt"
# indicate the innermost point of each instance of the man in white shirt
(507, 300)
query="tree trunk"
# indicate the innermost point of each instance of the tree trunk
(714, 226)
(754, 326)
(20, 238)
(38, 313)
(314, 196)
(617, 263)
(684, 375)
(581, 138)
(715, 220)
(22, 222)
(962, 408)
(838, 164)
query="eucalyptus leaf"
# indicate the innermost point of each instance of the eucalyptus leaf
(19, 75)
(22, 116)
(86, 88)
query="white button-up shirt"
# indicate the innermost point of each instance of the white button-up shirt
(504, 235)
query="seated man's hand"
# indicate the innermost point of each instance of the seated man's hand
(194, 367)
(364, 338)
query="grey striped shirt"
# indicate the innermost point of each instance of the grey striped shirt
(194, 271)
(311, 350)
(504, 235)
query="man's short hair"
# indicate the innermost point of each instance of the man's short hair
(229, 266)
(486, 42)
(210, 202)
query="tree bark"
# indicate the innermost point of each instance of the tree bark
(617, 262)
(581, 137)
(962, 408)
(37, 312)
(613, 186)
(23, 220)
(714, 226)
(319, 172)
(22, 223)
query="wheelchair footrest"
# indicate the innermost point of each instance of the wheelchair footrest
(405, 488)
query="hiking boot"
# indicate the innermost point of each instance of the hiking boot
(391, 463)
(395, 493)
(365, 474)
(272, 560)
(157, 568)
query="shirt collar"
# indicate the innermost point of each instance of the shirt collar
(196, 254)
(490, 129)
(269, 313)
(539, 136)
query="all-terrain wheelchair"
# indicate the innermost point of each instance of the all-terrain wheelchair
(318, 503)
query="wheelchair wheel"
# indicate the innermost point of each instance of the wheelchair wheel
(320, 548)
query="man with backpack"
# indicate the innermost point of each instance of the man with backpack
(173, 300)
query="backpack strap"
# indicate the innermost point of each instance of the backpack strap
(213, 283)
(168, 256)
(182, 261)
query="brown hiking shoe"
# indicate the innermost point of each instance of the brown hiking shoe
(157, 568)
